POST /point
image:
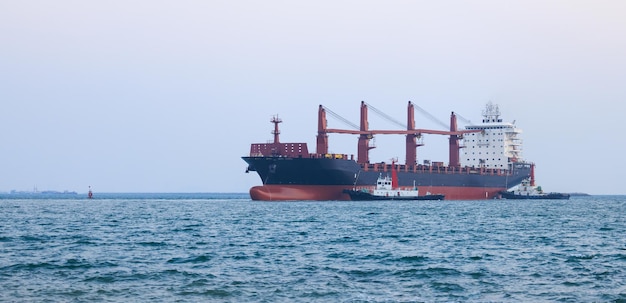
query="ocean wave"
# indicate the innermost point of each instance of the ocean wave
(189, 251)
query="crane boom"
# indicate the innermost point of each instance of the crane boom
(400, 132)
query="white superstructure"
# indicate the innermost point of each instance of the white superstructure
(496, 146)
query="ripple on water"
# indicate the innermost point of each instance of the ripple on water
(192, 259)
(243, 251)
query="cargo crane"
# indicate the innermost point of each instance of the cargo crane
(412, 133)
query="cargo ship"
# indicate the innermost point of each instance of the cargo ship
(491, 161)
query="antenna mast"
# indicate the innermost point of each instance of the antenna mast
(276, 132)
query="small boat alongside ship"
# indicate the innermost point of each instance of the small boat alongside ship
(528, 191)
(387, 189)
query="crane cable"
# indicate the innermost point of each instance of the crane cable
(340, 118)
(389, 118)
(432, 118)
(466, 121)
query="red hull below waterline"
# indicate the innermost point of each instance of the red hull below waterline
(297, 192)
(335, 192)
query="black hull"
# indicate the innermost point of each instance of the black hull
(550, 196)
(322, 178)
(357, 195)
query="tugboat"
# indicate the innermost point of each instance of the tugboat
(387, 189)
(528, 191)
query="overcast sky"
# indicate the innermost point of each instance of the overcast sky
(166, 96)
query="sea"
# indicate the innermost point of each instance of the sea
(224, 247)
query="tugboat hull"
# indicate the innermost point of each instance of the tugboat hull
(359, 195)
(550, 196)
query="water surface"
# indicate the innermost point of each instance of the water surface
(226, 248)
